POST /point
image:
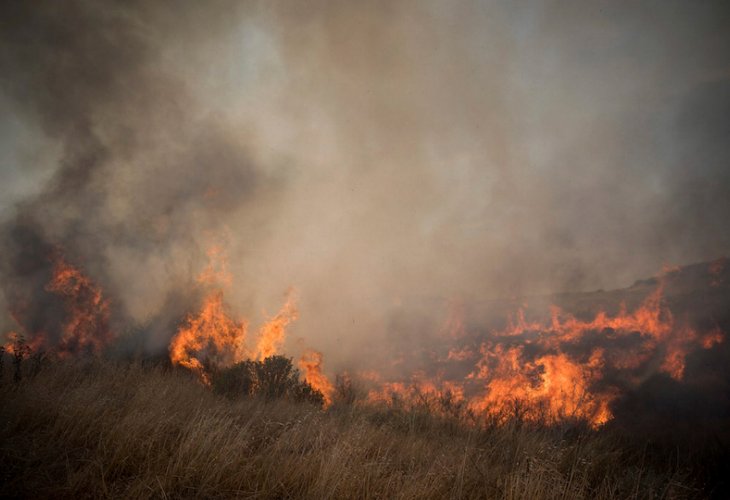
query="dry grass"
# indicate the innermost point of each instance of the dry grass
(101, 429)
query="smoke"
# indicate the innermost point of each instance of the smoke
(141, 169)
(377, 156)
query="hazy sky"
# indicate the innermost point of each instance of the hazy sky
(363, 152)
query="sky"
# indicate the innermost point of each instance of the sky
(365, 153)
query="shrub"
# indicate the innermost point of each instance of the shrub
(273, 378)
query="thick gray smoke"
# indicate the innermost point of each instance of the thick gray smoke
(366, 153)
(137, 169)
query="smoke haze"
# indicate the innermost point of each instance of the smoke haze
(366, 153)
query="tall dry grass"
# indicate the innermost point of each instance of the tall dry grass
(106, 430)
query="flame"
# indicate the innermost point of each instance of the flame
(86, 328)
(551, 388)
(517, 324)
(85, 325)
(555, 370)
(212, 334)
(540, 370)
(311, 364)
(271, 335)
(213, 337)
(652, 320)
(15, 340)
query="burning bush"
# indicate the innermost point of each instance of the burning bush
(273, 378)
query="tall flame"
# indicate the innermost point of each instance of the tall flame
(311, 363)
(271, 334)
(210, 334)
(213, 336)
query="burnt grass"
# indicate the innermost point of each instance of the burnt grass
(109, 429)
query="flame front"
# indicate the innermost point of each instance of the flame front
(561, 367)
(556, 370)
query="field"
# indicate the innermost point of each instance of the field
(103, 429)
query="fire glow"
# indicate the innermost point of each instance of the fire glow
(84, 327)
(560, 368)
(213, 335)
(557, 369)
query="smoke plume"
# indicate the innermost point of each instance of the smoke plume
(386, 159)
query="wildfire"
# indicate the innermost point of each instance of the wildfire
(556, 369)
(559, 367)
(271, 335)
(213, 337)
(84, 327)
(552, 387)
(311, 363)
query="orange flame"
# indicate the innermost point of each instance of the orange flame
(271, 334)
(212, 336)
(86, 328)
(548, 371)
(32, 345)
(551, 388)
(311, 363)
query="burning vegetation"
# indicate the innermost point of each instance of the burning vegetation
(602, 364)
(398, 178)
(80, 309)
(561, 368)
(212, 339)
(525, 409)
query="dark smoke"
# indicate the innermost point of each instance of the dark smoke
(141, 170)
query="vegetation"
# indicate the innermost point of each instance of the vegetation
(273, 378)
(103, 429)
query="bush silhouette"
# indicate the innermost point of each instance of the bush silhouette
(273, 378)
